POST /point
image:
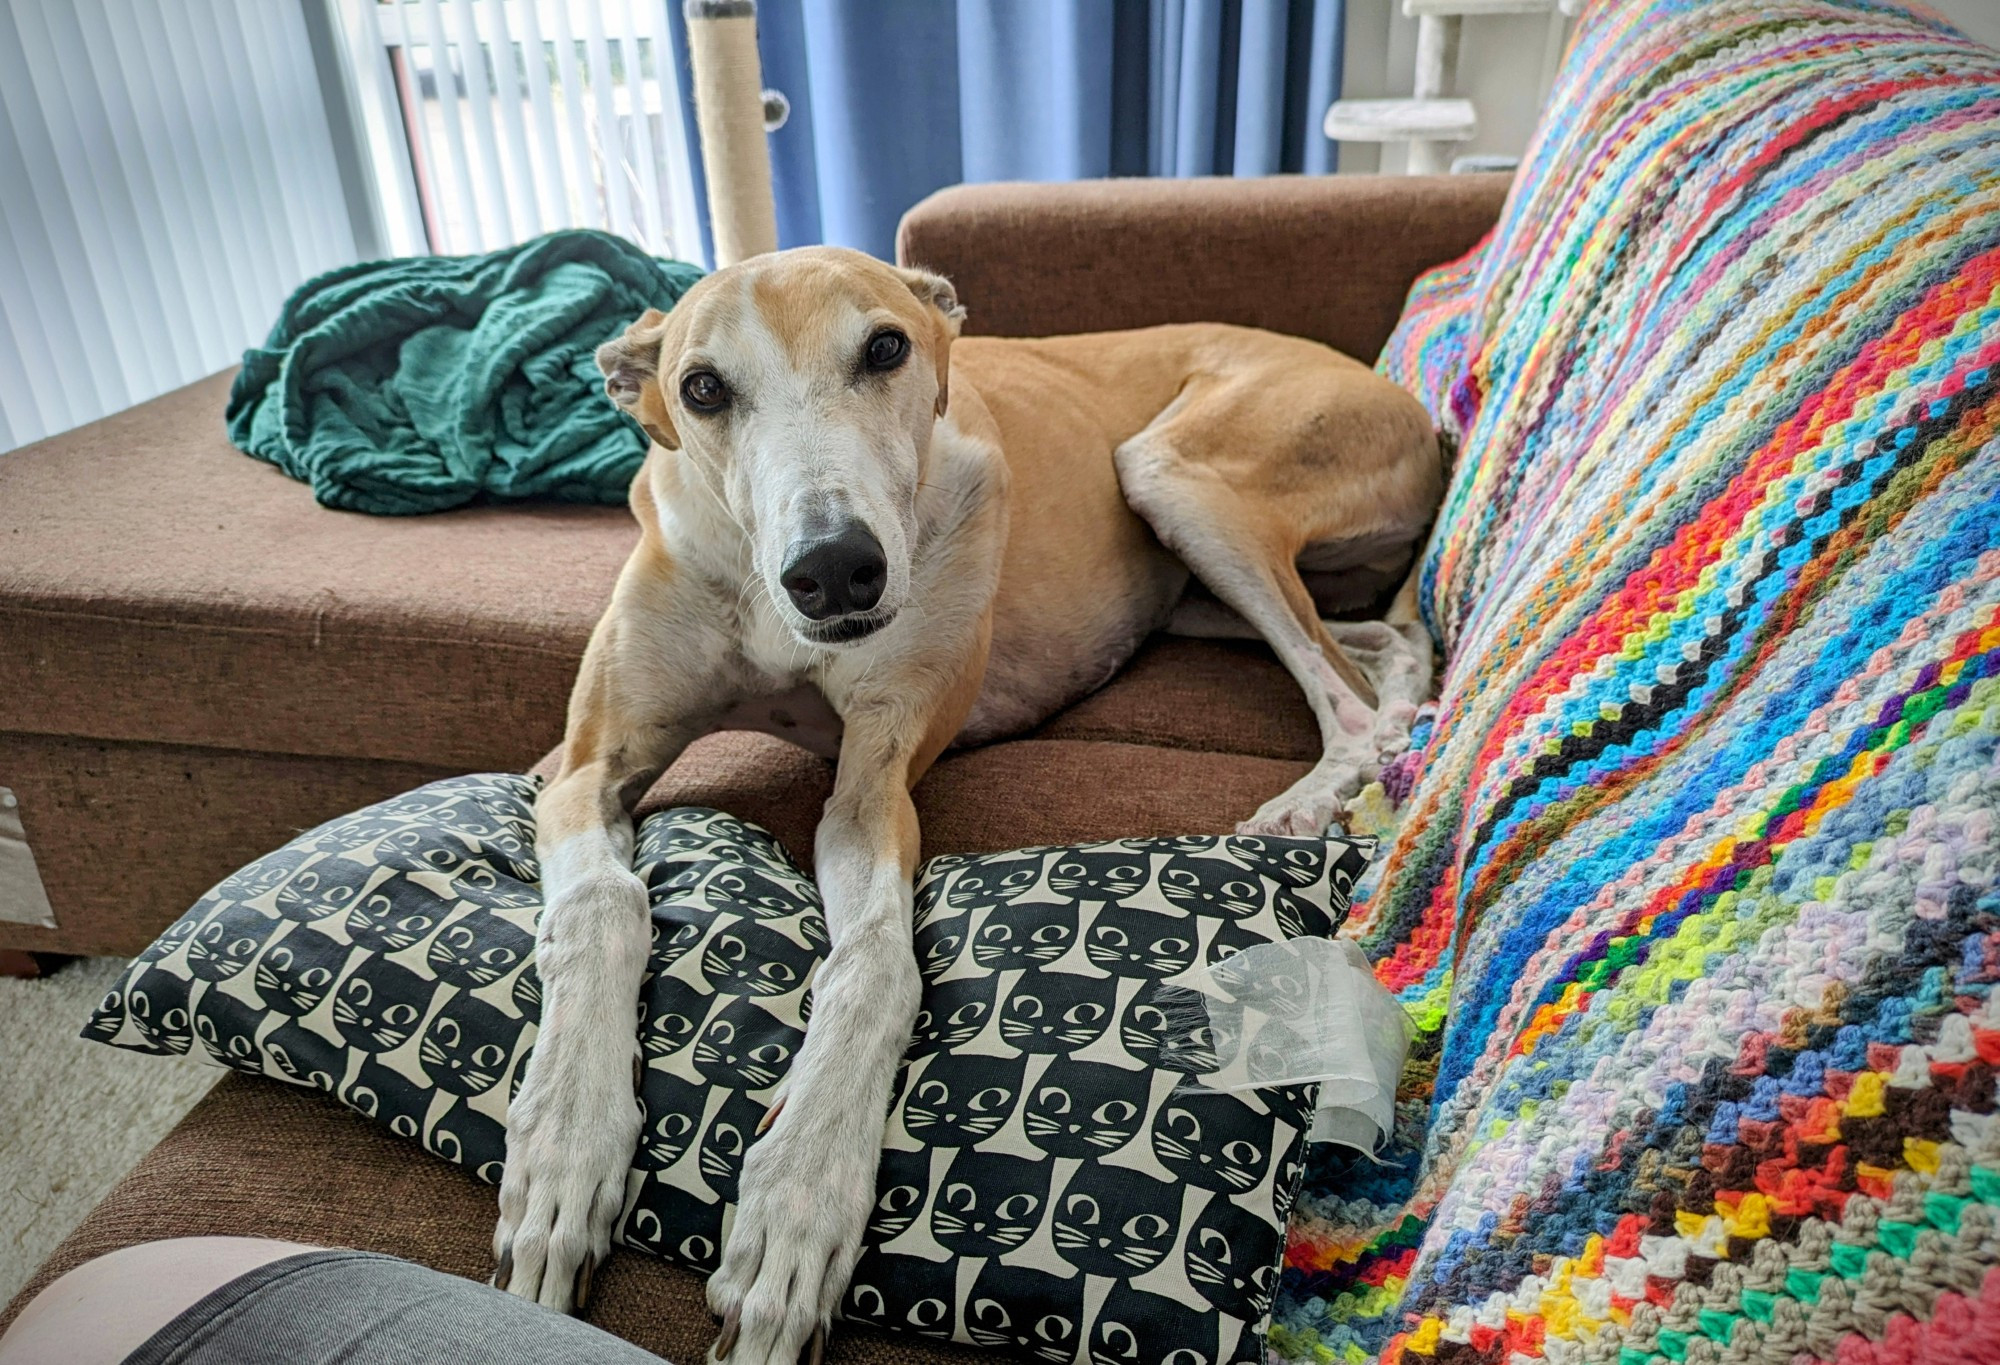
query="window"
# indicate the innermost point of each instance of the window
(487, 122)
(167, 176)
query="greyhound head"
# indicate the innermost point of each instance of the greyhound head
(801, 389)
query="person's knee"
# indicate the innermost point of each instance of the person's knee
(101, 1311)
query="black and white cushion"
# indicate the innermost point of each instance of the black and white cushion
(1049, 1185)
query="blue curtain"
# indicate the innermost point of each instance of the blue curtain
(892, 99)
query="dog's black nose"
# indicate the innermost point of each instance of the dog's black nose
(843, 573)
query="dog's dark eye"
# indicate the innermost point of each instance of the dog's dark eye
(886, 350)
(703, 392)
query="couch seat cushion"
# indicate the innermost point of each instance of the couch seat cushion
(1230, 696)
(155, 584)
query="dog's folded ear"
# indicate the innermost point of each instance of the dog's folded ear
(631, 365)
(937, 291)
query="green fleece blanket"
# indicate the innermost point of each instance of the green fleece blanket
(416, 385)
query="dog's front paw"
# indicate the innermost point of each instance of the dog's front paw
(570, 1135)
(804, 1201)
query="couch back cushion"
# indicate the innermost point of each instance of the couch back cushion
(1694, 898)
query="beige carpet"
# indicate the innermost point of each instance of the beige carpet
(77, 1115)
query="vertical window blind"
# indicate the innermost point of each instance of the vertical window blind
(491, 121)
(171, 169)
(167, 176)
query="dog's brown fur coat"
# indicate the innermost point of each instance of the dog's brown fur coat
(1040, 504)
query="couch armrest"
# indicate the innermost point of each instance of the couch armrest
(1328, 257)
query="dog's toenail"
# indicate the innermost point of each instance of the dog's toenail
(505, 1271)
(770, 1117)
(816, 1354)
(732, 1322)
(579, 1294)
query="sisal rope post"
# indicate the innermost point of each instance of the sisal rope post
(729, 109)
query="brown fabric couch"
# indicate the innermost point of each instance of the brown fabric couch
(200, 660)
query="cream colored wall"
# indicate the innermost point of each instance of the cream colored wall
(1499, 65)
(1979, 18)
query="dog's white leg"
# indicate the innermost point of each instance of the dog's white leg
(573, 1124)
(1347, 726)
(572, 1127)
(809, 1182)
(1403, 662)
(1395, 657)
(1397, 660)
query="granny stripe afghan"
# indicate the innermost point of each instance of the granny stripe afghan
(1694, 898)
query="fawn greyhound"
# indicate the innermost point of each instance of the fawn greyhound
(848, 513)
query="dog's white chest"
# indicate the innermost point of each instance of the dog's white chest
(800, 714)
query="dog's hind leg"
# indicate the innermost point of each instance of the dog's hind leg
(1240, 532)
(1220, 541)
(1398, 655)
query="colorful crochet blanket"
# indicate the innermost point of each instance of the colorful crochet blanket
(1694, 897)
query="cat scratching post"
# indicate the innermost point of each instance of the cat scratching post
(729, 108)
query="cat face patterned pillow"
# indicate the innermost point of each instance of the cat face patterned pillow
(1048, 1186)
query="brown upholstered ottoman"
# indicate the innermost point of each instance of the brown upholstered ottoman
(197, 660)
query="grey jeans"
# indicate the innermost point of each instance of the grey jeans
(358, 1308)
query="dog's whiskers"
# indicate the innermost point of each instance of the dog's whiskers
(744, 603)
